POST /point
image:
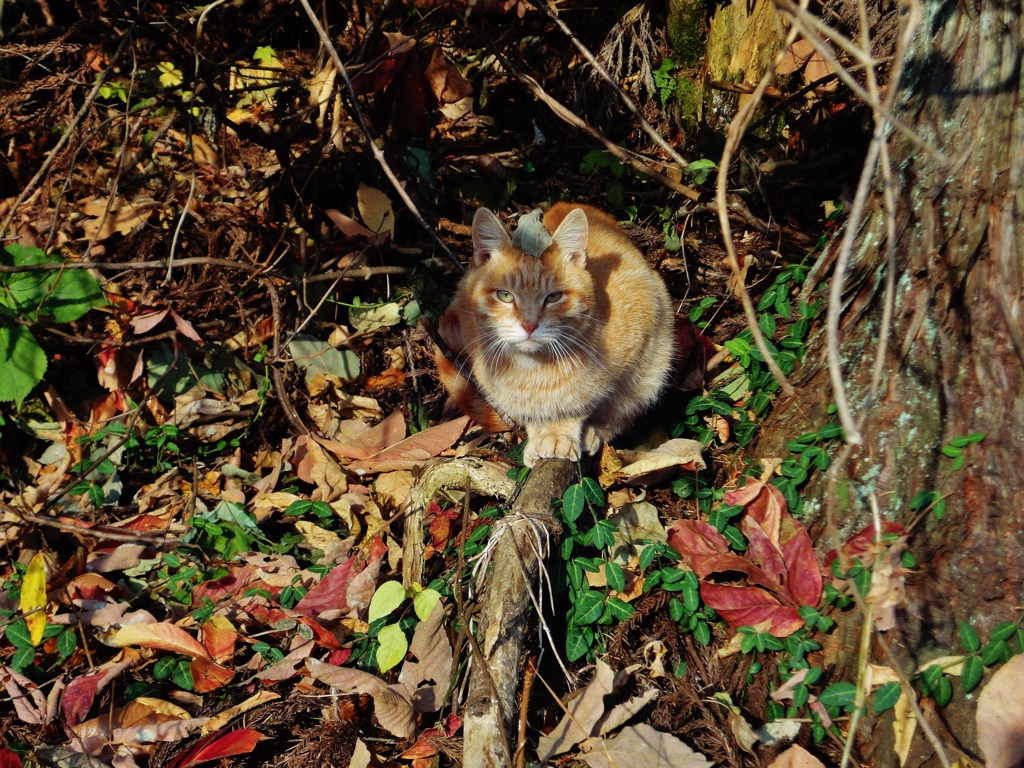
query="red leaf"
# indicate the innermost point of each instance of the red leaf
(695, 537)
(8, 759)
(77, 699)
(217, 746)
(740, 497)
(329, 594)
(747, 606)
(396, 50)
(761, 551)
(863, 542)
(804, 575)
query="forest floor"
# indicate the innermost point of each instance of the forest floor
(213, 435)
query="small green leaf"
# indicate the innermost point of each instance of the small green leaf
(18, 634)
(647, 555)
(702, 633)
(181, 674)
(969, 638)
(264, 54)
(886, 697)
(572, 502)
(691, 598)
(767, 324)
(971, 673)
(975, 437)
(589, 608)
(67, 641)
(423, 603)
(930, 678)
(958, 463)
(615, 576)
(800, 695)
(838, 694)
(951, 451)
(943, 692)
(675, 609)
(592, 492)
(299, 507)
(619, 609)
(1003, 631)
(23, 657)
(393, 646)
(736, 539)
(22, 362)
(959, 442)
(578, 641)
(386, 599)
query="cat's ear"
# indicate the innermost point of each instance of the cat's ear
(489, 236)
(572, 235)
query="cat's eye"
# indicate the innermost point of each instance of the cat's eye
(552, 297)
(505, 296)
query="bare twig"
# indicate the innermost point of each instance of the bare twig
(378, 154)
(733, 138)
(275, 373)
(623, 96)
(54, 153)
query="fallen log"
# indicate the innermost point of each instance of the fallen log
(522, 539)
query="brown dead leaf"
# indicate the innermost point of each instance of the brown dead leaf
(433, 663)
(1000, 716)
(375, 210)
(796, 757)
(643, 745)
(414, 450)
(581, 715)
(123, 217)
(348, 226)
(392, 488)
(668, 457)
(392, 704)
(445, 80)
(225, 717)
(358, 441)
(319, 468)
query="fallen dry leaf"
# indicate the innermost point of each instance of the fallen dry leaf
(581, 716)
(375, 210)
(670, 456)
(1000, 716)
(162, 635)
(643, 745)
(796, 757)
(414, 450)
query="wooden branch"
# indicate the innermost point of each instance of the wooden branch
(505, 615)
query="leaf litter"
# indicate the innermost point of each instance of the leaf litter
(204, 546)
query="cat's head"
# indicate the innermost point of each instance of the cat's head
(528, 304)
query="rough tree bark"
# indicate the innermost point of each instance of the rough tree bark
(956, 354)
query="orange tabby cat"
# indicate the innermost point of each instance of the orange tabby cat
(571, 345)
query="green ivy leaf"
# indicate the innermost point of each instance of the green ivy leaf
(619, 609)
(616, 578)
(886, 697)
(181, 674)
(75, 293)
(969, 638)
(943, 692)
(18, 634)
(67, 641)
(22, 362)
(1003, 631)
(578, 641)
(23, 657)
(572, 502)
(423, 603)
(592, 492)
(589, 608)
(971, 673)
(702, 633)
(838, 694)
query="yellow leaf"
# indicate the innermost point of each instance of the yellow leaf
(33, 597)
(375, 209)
(170, 76)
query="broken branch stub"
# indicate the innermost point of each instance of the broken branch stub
(505, 614)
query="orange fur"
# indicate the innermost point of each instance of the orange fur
(571, 345)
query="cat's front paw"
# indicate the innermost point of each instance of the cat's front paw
(591, 440)
(551, 446)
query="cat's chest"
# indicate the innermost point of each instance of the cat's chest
(532, 389)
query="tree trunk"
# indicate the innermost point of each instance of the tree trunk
(956, 349)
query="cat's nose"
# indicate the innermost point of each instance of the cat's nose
(529, 327)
